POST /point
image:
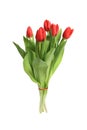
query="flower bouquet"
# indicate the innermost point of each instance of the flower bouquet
(43, 54)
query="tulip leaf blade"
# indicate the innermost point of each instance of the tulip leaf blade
(48, 59)
(28, 68)
(49, 56)
(44, 48)
(29, 45)
(58, 36)
(20, 50)
(58, 55)
(40, 71)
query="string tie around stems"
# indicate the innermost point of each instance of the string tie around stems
(43, 88)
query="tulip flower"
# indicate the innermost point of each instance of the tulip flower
(67, 33)
(29, 32)
(40, 35)
(54, 29)
(47, 25)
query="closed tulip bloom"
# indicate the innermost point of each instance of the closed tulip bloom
(47, 25)
(54, 29)
(40, 34)
(67, 33)
(29, 32)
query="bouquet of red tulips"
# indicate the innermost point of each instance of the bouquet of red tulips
(43, 54)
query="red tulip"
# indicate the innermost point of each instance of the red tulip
(47, 25)
(54, 29)
(67, 33)
(29, 32)
(40, 34)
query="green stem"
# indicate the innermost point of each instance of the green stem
(41, 101)
(44, 98)
(42, 106)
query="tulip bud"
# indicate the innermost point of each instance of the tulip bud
(54, 29)
(40, 34)
(29, 32)
(47, 25)
(67, 33)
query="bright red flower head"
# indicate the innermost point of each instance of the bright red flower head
(40, 34)
(67, 33)
(47, 25)
(29, 32)
(54, 29)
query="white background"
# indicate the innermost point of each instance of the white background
(67, 96)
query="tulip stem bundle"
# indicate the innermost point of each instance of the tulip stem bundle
(43, 55)
(42, 106)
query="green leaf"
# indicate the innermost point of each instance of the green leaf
(56, 62)
(60, 47)
(31, 56)
(57, 56)
(44, 48)
(52, 42)
(28, 68)
(58, 36)
(29, 44)
(20, 50)
(48, 59)
(49, 56)
(40, 71)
